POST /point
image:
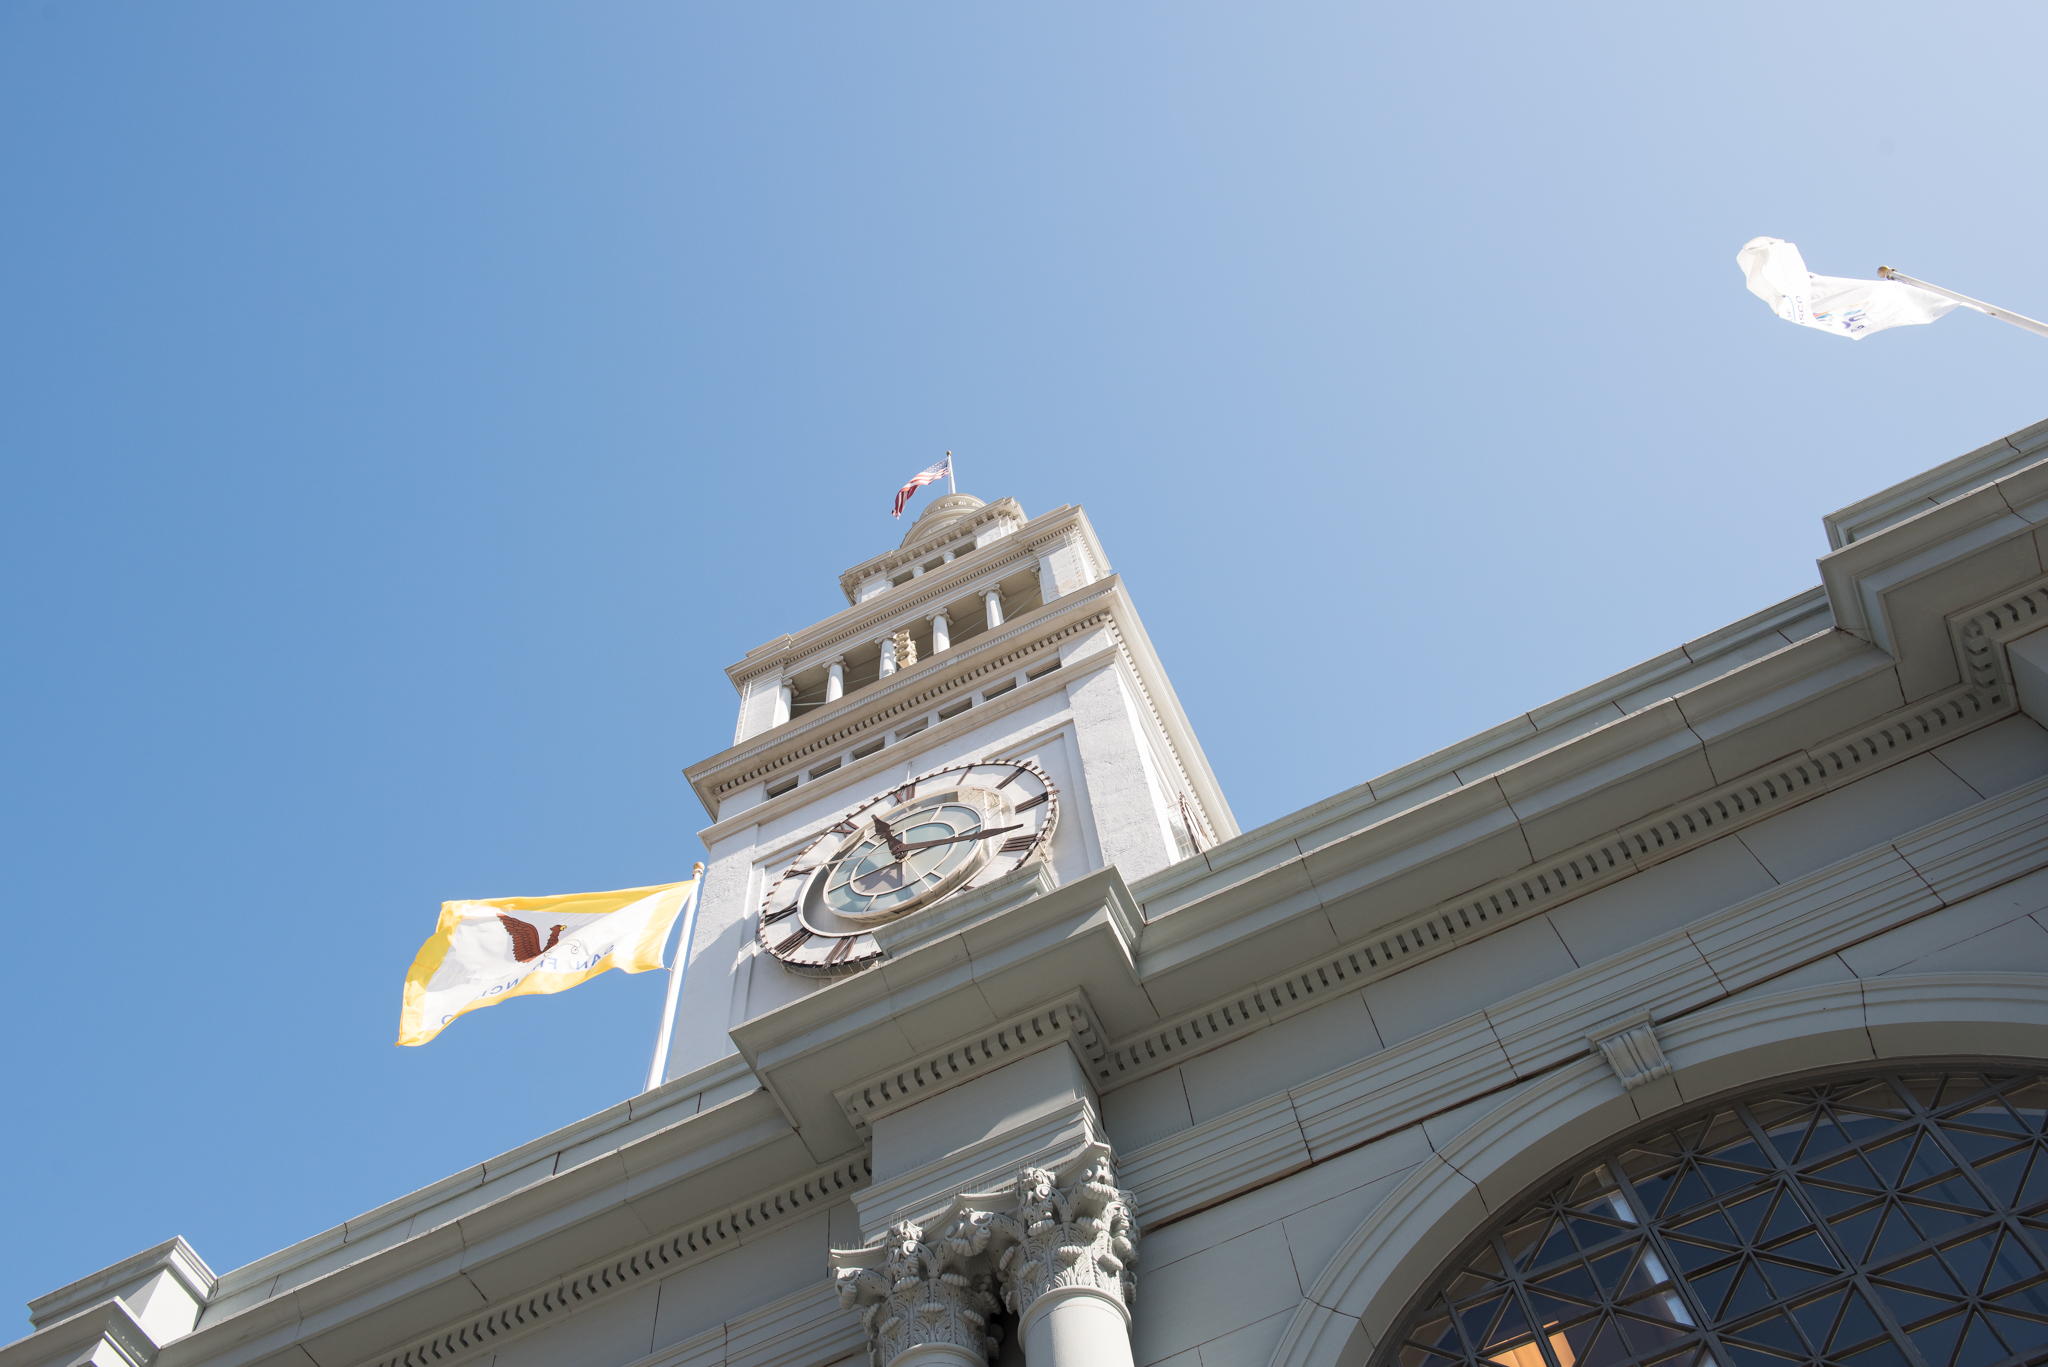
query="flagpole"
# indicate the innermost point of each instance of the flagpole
(950, 487)
(2003, 315)
(676, 970)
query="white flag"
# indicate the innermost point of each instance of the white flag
(1777, 275)
(482, 953)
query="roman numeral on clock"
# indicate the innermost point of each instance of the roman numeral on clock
(905, 793)
(769, 918)
(794, 942)
(1030, 802)
(841, 950)
(1017, 844)
(845, 828)
(799, 870)
(1015, 774)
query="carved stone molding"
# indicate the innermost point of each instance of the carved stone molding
(1641, 844)
(1003, 510)
(1068, 1230)
(712, 1234)
(1068, 1020)
(1632, 1049)
(765, 760)
(1981, 634)
(1081, 1235)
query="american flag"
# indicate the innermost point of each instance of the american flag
(943, 470)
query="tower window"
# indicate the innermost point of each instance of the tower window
(955, 709)
(872, 747)
(1042, 670)
(777, 787)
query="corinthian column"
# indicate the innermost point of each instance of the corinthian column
(924, 1302)
(1058, 1244)
(1066, 1272)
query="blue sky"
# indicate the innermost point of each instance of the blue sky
(406, 412)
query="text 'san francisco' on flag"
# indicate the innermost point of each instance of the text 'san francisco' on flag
(484, 952)
(1777, 274)
(929, 475)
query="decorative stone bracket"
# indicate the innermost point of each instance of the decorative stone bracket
(1632, 1049)
(1052, 1236)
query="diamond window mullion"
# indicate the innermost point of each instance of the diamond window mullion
(2006, 1219)
(1681, 1287)
(1778, 1227)
(1789, 1178)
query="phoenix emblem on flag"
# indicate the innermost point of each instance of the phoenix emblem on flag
(526, 943)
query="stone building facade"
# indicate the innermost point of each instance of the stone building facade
(1698, 1018)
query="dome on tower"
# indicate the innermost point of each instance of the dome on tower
(937, 513)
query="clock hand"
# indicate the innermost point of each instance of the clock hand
(955, 839)
(896, 845)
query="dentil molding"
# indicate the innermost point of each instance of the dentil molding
(1068, 1020)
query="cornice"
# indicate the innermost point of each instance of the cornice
(705, 1237)
(1981, 634)
(1931, 488)
(1863, 577)
(668, 1119)
(901, 606)
(889, 612)
(109, 1324)
(1067, 1020)
(173, 1255)
(907, 691)
(952, 529)
(1079, 934)
(1539, 887)
(1555, 724)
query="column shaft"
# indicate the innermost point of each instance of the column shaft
(1076, 1327)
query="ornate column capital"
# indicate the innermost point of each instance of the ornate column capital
(1051, 1236)
(1081, 1236)
(915, 1291)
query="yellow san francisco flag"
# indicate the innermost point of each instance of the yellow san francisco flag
(483, 952)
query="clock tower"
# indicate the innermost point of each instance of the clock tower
(986, 707)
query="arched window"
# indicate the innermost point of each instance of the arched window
(1889, 1220)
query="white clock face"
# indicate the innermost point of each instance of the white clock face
(901, 850)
